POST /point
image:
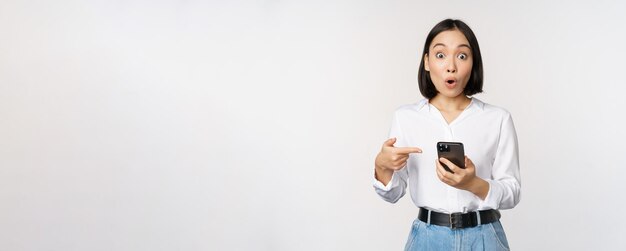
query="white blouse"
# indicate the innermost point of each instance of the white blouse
(488, 136)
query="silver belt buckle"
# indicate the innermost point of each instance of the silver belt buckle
(456, 220)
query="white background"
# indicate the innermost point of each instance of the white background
(194, 125)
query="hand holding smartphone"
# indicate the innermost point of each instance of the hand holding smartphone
(452, 151)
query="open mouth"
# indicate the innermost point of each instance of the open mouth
(450, 82)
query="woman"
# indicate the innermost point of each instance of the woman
(458, 208)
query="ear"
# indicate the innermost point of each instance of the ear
(426, 66)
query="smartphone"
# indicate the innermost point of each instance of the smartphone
(453, 151)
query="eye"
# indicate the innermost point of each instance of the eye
(439, 55)
(462, 56)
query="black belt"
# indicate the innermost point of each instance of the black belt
(459, 220)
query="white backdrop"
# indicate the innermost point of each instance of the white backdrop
(194, 125)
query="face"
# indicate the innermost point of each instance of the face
(449, 63)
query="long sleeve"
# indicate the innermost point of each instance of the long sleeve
(505, 187)
(396, 188)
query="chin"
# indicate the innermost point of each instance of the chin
(450, 93)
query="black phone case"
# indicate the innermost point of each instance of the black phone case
(452, 151)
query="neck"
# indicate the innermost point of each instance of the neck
(450, 103)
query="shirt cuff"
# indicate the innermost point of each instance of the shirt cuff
(492, 200)
(379, 185)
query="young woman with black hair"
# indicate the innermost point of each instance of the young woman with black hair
(458, 209)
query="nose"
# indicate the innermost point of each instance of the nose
(451, 68)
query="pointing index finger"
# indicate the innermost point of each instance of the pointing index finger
(407, 150)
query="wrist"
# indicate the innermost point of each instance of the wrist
(377, 165)
(479, 187)
(382, 174)
(381, 169)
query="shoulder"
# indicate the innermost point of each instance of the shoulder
(411, 113)
(412, 108)
(493, 111)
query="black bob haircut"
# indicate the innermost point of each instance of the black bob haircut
(475, 83)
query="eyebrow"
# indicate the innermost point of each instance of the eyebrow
(461, 45)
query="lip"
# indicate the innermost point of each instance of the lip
(450, 82)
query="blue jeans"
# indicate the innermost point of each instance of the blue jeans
(432, 237)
